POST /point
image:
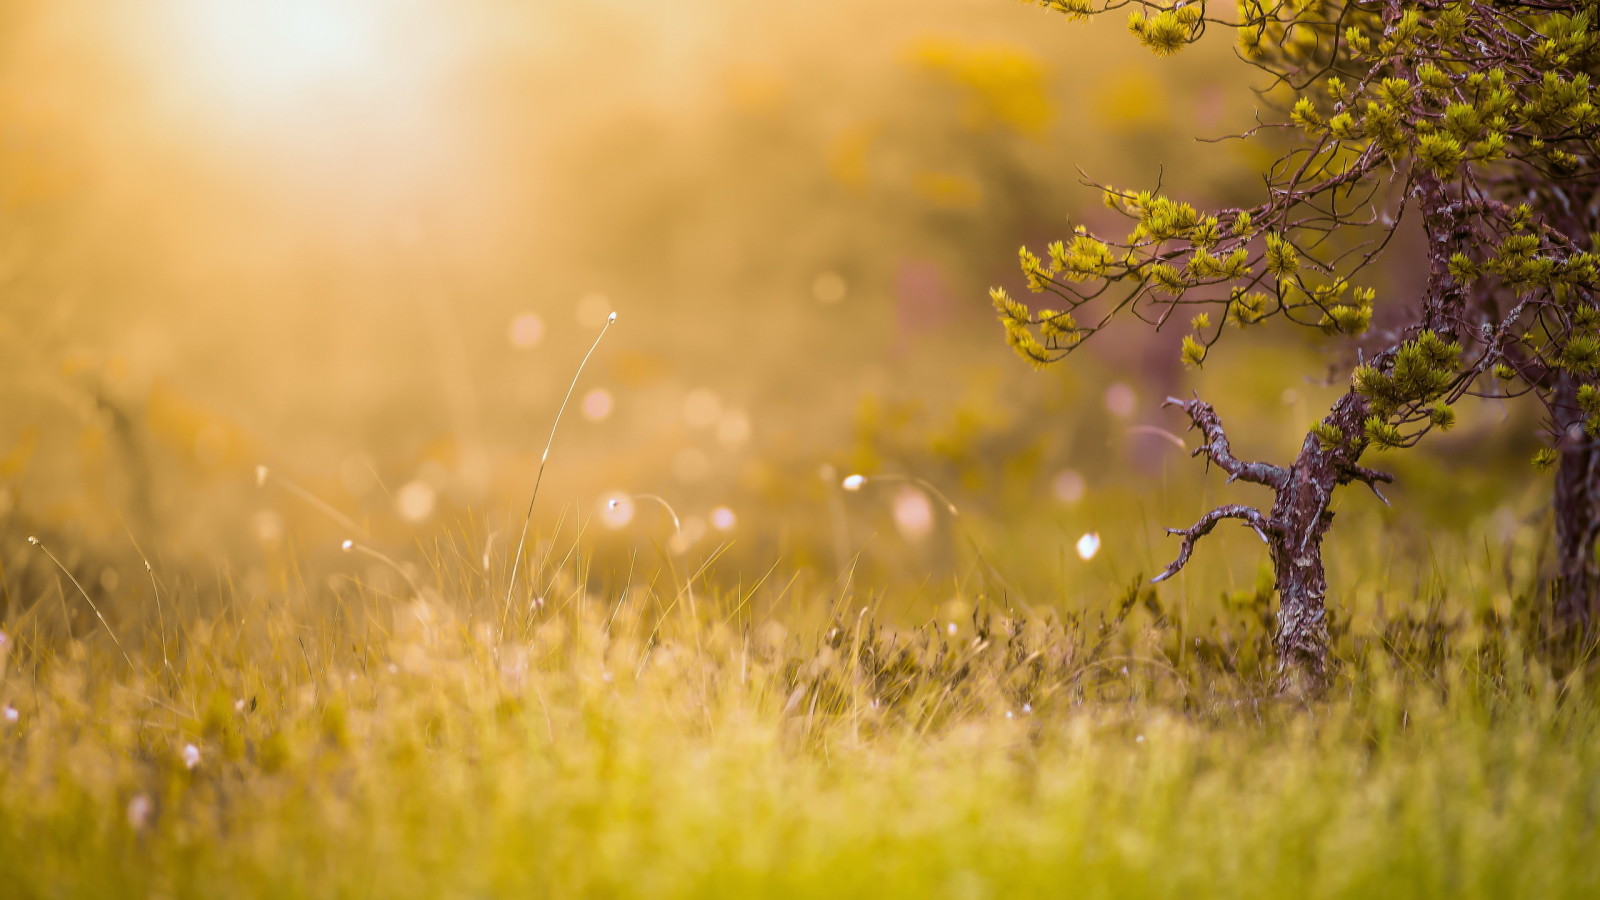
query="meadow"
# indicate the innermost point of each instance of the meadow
(777, 741)
(823, 592)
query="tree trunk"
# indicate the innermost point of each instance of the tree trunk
(1576, 504)
(1302, 515)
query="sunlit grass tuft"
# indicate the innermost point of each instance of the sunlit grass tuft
(624, 744)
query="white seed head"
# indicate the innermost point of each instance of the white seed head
(611, 318)
(191, 756)
(33, 540)
(348, 545)
(613, 503)
(853, 482)
(11, 714)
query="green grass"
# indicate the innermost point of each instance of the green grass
(622, 747)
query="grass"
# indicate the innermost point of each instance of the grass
(615, 745)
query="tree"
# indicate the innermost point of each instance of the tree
(1466, 117)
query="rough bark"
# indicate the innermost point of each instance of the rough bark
(1293, 530)
(1576, 505)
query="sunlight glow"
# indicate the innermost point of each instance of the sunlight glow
(271, 52)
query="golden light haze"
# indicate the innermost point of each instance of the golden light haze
(366, 243)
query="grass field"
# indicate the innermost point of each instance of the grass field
(280, 276)
(662, 742)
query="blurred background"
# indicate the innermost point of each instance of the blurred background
(366, 244)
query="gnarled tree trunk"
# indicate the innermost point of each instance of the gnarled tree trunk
(1576, 505)
(1293, 530)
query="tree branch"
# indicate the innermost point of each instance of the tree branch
(1252, 516)
(1216, 448)
(1368, 477)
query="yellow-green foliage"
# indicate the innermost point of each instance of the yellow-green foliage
(1282, 259)
(1423, 370)
(1166, 31)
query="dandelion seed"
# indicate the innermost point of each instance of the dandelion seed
(723, 519)
(11, 714)
(348, 545)
(853, 482)
(1089, 545)
(191, 756)
(139, 810)
(1027, 708)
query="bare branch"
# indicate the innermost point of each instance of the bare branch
(1368, 477)
(1216, 448)
(1255, 518)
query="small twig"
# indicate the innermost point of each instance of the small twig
(1256, 519)
(1370, 478)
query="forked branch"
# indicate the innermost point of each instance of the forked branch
(1216, 449)
(1253, 517)
(1369, 477)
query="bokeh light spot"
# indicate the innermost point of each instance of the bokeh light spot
(415, 501)
(829, 288)
(597, 405)
(1068, 486)
(1089, 545)
(527, 330)
(702, 408)
(913, 513)
(1120, 400)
